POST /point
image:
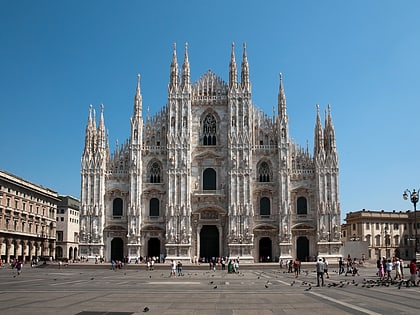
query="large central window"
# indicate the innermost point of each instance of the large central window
(209, 179)
(209, 130)
(117, 207)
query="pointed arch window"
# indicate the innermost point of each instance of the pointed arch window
(154, 207)
(264, 172)
(209, 130)
(155, 173)
(265, 208)
(117, 207)
(302, 206)
(209, 179)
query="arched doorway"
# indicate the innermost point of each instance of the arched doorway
(153, 247)
(58, 252)
(117, 249)
(71, 253)
(209, 241)
(265, 252)
(302, 248)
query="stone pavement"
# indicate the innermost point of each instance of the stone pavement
(88, 289)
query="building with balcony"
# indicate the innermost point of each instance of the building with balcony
(27, 219)
(67, 244)
(388, 233)
(210, 175)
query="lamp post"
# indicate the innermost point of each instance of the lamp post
(414, 198)
(386, 241)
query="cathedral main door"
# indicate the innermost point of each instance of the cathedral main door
(265, 249)
(153, 247)
(117, 249)
(302, 250)
(209, 241)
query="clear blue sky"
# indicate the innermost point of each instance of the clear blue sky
(362, 57)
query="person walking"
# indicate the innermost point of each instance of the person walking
(326, 267)
(397, 267)
(320, 268)
(341, 266)
(179, 268)
(173, 268)
(413, 271)
(388, 267)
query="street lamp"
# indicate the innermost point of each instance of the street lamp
(414, 198)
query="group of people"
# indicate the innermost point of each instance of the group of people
(176, 268)
(321, 270)
(292, 266)
(387, 266)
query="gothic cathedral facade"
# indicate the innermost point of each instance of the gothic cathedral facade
(210, 175)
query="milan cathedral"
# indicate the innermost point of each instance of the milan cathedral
(210, 175)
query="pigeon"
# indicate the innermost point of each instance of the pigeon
(266, 286)
(92, 278)
(310, 287)
(211, 282)
(215, 287)
(293, 282)
(146, 309)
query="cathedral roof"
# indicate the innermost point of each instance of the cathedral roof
(209, 86)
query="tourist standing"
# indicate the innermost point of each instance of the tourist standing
(326, 268)
(413, 271)
(179, 268)
(340, 266)
(173, 268)
(397, 267)
(320, 268)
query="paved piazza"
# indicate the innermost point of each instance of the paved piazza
(258, 289)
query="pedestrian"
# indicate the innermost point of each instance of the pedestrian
(388, 269)
(413, 271)
(236, 266)
(19, 267)
(340, 266)
(402, 268)
(112, 264)
(230, 266)
(173, 268)
(223, 263)
(179, 268)
(296, 266)
(397, 267)
(326, 267)
(320, 268)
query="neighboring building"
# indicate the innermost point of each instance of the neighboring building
(27, 219)
(210, 175)
(387, 233)
(67, 228)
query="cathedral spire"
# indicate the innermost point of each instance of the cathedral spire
(330, 132)
(101, 130)
(90, 131)
(138, 99)
(281, 99)
(186, 68)
(233, 72)
(319, 138)
(174, 75)
(245, 72)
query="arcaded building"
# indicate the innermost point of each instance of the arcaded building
(67, 245)
(27, 219)
(210, 175)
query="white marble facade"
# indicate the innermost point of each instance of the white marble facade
(210, 175)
